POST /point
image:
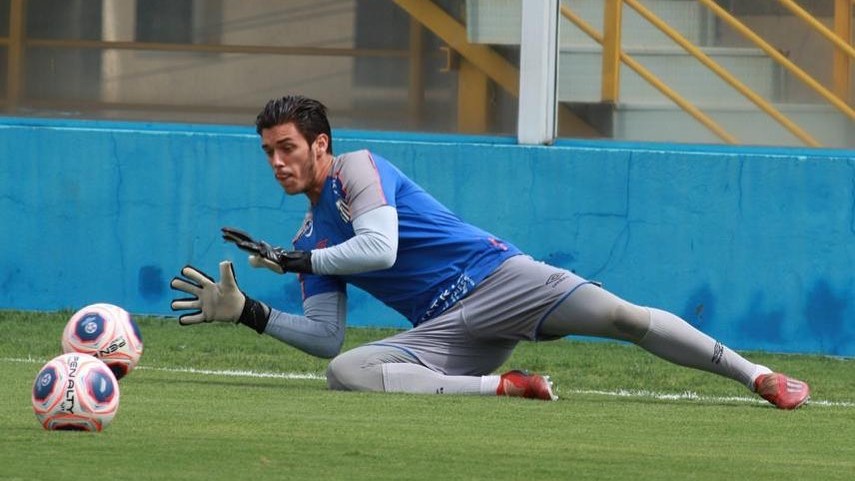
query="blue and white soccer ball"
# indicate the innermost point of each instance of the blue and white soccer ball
(75, 392)
(107, 332)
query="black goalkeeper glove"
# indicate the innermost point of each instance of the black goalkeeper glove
(216, 301)
(263, 254)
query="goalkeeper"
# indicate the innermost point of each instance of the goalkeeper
(470, 296)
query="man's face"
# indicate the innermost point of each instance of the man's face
(292, 159)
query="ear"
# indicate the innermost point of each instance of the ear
(322, 141)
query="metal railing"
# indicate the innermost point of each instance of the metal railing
(612, 51)
(648, 76)
(842, 30)
(723, 73)
(780, 58)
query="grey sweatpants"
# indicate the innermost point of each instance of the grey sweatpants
(523, 300)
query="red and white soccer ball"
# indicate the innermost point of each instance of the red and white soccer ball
(107, 332)
(75, 392)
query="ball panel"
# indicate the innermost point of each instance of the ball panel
(71, 422)
(46, 383)
(136, 330)
(100, 390)
(89, 327)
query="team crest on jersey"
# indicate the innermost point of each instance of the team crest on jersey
(306, 229)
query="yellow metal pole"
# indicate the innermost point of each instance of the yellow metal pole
(654, 81)
(16, 53)
(471, 99)
(611, 51)
(841, 43)
(842, 66)
(723, 73)
(416, 88)
(780, 58)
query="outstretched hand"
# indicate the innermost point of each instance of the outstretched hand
(211, 300)
(263, 254)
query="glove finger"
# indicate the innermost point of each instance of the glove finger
(182, 284)
(227, 276)
(250, 247)
(258, 261)
(231, 234)
(192, 318)
(185, 304)
(238, 241)
(202, 280)
(266, 249)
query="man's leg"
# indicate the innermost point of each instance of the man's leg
(384, 368)
(387, 368)
(593, 311)
(438, 357)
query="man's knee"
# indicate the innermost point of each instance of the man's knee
(342, 372)
(360, 369)
(631, 321)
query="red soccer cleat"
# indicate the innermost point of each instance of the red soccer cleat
(523, 384)
(782, 391)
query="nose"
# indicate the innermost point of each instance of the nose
(276, 160)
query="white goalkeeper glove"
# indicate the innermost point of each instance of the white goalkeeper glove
(216, 301)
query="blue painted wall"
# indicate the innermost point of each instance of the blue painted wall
(754, 246)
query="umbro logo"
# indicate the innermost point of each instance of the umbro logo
(718, 351)
(556, 279)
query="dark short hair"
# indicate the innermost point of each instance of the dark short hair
(308, 115)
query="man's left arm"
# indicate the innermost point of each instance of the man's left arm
(373, 247)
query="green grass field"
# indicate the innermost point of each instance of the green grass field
(189, 412)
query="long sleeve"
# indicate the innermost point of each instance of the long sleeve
(373, 247)
(320, 331)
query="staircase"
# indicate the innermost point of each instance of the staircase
(643, 113)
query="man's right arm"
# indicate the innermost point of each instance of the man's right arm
(319, 331)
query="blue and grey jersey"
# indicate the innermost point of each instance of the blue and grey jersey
(440, 258)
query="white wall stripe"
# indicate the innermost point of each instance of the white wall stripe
(685, 396)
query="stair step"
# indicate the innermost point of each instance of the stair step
(668, 123)
(580, 74)
(497, 22)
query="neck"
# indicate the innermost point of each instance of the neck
(323, 164)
